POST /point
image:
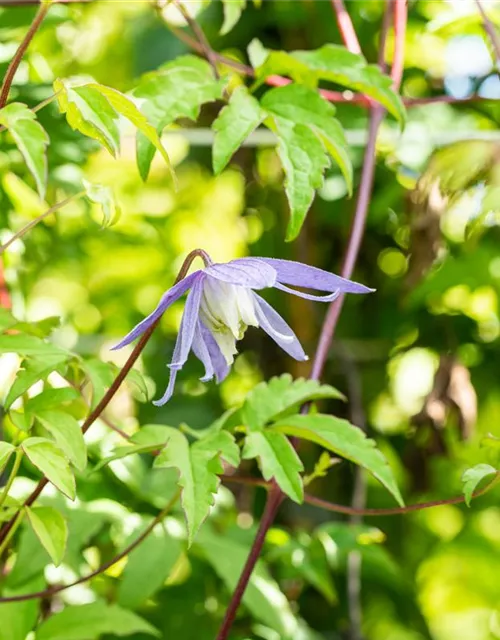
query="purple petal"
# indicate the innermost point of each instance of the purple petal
(184, 338)
(219, 363)
(308, 296)
(167, 299)
(247, 272)
(200, 350)
(274, 325)
(188, 326)
(169, 391)
(302, 275)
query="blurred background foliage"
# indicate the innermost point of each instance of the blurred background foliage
(419, 357)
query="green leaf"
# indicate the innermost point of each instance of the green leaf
(176, 90)
(304, 161)
(344, 439)
(335, 64)
(232, 14)
(19, 618)
(50, 399)
(472, 477)
(51, 529)
(91, 621)
(7, 320)
(278, 460)
(41, 328)
(262, 596)
(284, 64)
(300, 105)
(90, 113)
(105, 197)
(233, 125)
(68, 435)
(51, 461)
(149, 438)
(199, 466)
(306, 129)
(33, 370)
(147, 568)
(267, 400)
(6, 450)
(101, 375)
(25, 346)
(31, 140)
(127, 108)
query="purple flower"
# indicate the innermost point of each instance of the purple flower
(222, 304)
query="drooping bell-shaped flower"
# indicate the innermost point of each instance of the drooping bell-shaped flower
(222, 304)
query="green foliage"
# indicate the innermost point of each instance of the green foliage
(232, 13)
(51, 529)
(278, 460)
(199, 466)
(104, 196)
(234, 124)
(176, 90)
(268, 400)
(148, 566)
(6, 450)
(94, 110)
(473, 477)
(30, 138)
(51, 461)
(68, 435)
(344, 439)
(89, 621)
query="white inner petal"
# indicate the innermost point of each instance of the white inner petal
(227, 310)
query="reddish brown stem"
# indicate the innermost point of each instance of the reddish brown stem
(400, 22)
(274, 499)
(369, 512)
(346, 27)
(16, 60)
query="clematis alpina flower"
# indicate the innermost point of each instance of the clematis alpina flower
(222, 303)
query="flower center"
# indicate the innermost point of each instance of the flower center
(227, 310)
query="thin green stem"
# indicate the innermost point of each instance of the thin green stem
(12, 476)
(105, 566)
(39, 218)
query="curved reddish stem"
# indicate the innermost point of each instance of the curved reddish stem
(346, 27)
(400, 22)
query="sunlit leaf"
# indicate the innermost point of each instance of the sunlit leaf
(51, 529)
(199, 466)
(473, 477)
(51, 461)
(232, 13)
(33, 370)
(83, 622)
(176, 90)
(25, 345)
(278, 460)
(233, 125)
(284, 64)
(105, 197)
(89, 112)
(125, 107)
(31, 140)
(51, 399)
(336, 64)
(68, 435)
(267, 400)
(344, 439)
